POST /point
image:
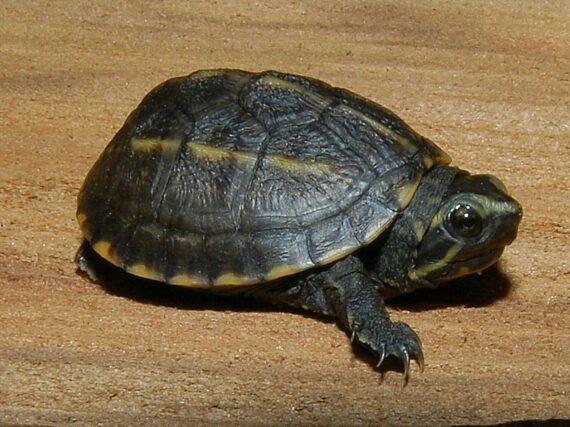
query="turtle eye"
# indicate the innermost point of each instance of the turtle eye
(465, 221)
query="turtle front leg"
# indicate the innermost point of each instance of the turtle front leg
(346, 292)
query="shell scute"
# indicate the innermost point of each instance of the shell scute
(230, 178)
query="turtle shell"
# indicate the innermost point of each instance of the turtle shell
(226, 177)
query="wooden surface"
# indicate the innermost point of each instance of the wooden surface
(488, 81)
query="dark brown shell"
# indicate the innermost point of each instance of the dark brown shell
(226, 177)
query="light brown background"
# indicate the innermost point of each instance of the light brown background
(488, 81)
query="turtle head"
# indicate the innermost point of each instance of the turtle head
(475, 221)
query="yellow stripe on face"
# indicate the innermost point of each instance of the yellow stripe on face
(491, 206)
(426, 269)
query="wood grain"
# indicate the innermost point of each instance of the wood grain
(488, 81)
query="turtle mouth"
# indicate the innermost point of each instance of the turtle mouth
(473, 265)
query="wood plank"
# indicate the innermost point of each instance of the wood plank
(488, 81)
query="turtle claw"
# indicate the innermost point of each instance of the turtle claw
(382, 356)
(419, 358)
(353, 335)
(406, 362)
(399, 341)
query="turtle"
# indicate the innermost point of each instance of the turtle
(289, 190)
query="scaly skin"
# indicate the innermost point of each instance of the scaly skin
(346, 292)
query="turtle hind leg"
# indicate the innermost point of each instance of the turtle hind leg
(94, 266)
(346, 292)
